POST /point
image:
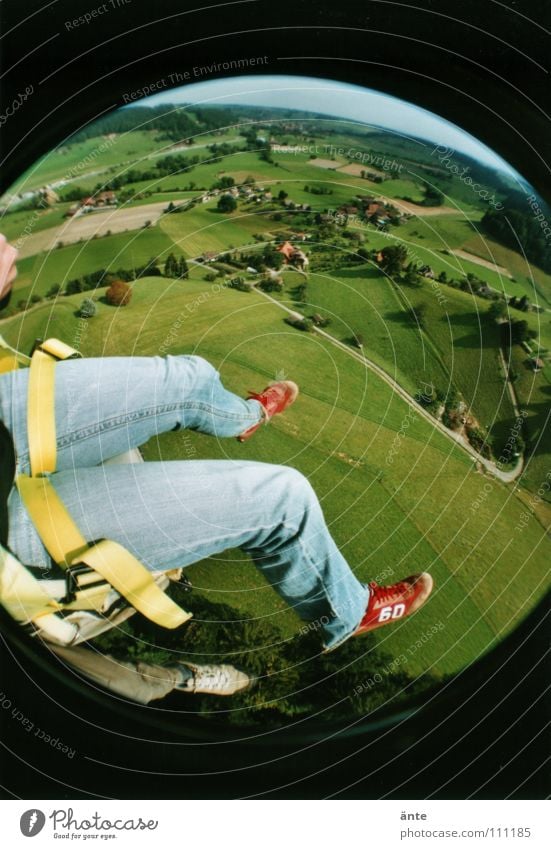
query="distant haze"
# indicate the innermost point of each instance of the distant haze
(331, 98)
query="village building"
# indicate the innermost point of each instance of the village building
(107, 198)
(426, 271)
(208, 256)
(48, 197)
(348, 210)
(293, 255)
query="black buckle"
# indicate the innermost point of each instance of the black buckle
(37, 344)
(185, 583)
(71, 581)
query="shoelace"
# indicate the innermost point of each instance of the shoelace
(210, 679)
(388, 593)
(257, 396)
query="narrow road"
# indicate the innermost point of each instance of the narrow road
(505, 477)
(510, 387)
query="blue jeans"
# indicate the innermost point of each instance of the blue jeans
(174, 513)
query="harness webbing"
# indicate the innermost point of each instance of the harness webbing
(41, 408)
(108, 559)
(93, 570)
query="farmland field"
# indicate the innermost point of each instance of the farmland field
(399, 494)
(412, 514)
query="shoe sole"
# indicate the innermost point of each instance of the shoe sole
(424, 578)
(424, 594)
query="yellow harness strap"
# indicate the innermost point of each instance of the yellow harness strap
(41, 404)
(110, 560)
(10, 358)
(59, 534)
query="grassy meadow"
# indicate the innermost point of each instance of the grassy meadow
(392, 518)
(399, 496)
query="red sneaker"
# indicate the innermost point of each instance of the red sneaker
(388, 604)
(274, 399)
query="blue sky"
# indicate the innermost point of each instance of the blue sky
(330, 97)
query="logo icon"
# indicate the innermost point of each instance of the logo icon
(32, 822)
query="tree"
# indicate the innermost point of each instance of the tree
(271, 283)
(523, 304)
(357, 339)
(272, 257)
(515, 223)
(480, 440)
(225, 182)
(171, 268)
(411, 278)
(87, 308)
(53, 291)
(227, 204)
(176, 267)
(519, 331)
(433, 197)
(73, 287)
(393, 258)
(266, 152)
(419, 315)
(497, 311)
(182, 268)
(119, 294)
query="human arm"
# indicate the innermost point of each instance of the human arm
(8, 270)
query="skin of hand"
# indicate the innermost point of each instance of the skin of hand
(8, 269)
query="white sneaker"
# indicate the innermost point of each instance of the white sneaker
(216, 679)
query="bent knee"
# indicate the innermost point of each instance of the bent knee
(295, 487)
(190, 369)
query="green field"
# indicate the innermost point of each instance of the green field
(457, 347)
(399, 495)
(413, 513)
(79, 162)
(123, 250)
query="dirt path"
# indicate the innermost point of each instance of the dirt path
(418, 210)
(510, 387)
(87, 226)
(505, 477)
(484, 262)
